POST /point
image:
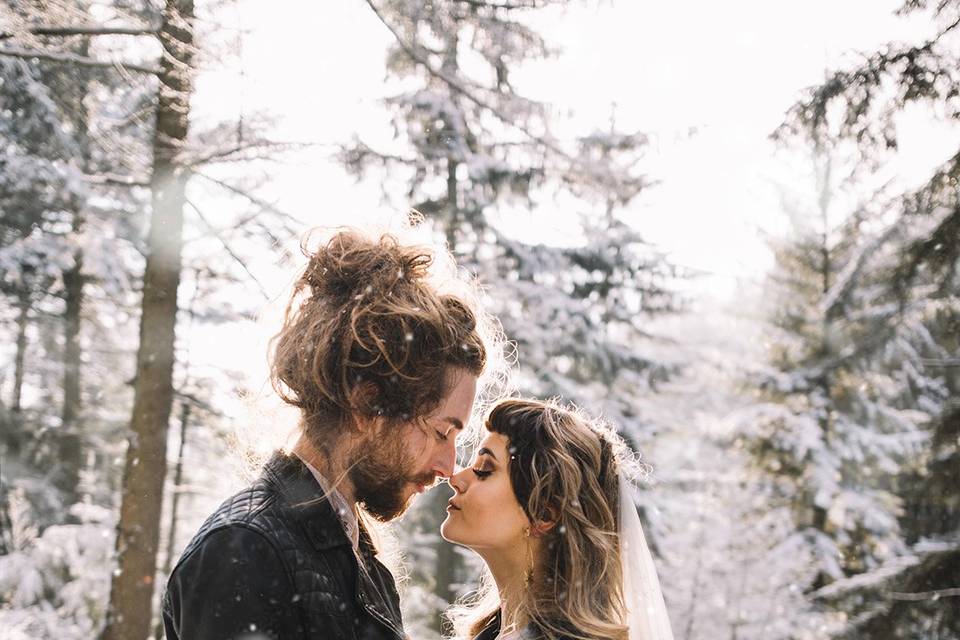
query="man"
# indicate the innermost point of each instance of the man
(383, 366)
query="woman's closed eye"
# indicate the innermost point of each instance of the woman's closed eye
(481, 473)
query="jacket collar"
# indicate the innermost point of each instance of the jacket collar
(376, 590)
(300, 492)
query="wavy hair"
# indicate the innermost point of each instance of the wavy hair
(564, 468)
(373, 329)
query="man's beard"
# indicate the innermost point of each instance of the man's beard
(380, 476)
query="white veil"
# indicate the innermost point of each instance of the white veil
(647, 613)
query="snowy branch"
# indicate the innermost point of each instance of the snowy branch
(226, 154)
(83, 31)
(458, 87)
(926, 595)
(69, 58)
(263, 204)
(229, 251)
(529, 4)
(940, 362)
(953, 25)
(124, 181)
(851, 272)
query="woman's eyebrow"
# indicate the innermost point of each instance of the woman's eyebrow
(485, 451)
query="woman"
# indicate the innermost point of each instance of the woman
(546, 503)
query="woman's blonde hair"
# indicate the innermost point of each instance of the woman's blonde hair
(564, 468)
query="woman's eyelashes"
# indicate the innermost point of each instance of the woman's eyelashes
(481, 473)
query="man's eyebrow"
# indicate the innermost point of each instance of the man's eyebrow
(485, 451)
(454, 422)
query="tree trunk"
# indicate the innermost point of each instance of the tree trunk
(453, 220)
(175, 502)
(131, 592)
(177, 481)
(16, 438)
(19, 359)
(69, 450)
(69, 442)
(824, 178)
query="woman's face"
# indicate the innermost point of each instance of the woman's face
(484, 512)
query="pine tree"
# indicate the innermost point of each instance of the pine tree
(912, 269)
(469, 144)
(838, 417)
(56, 217)
(74, 192)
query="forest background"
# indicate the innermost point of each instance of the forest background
(733, 229)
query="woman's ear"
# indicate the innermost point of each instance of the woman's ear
(541, 527)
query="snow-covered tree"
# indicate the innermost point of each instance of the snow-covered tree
(844, 404)
(841, 407)
(60, 215)
(911, 270)
(87, 150)
(469, 148)
(54, 578)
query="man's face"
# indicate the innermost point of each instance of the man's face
(395, 463)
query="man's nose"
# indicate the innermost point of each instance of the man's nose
(446, 461)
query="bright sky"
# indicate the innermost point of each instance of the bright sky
(707, 81)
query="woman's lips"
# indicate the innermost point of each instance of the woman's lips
(452, 507)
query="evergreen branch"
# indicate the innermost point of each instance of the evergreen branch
(947, 29)
(940, 362)
(459, 88)
(107, 178)
(69, 58)
(851, 272)
(263, 204)
(83, 31)
(925, 595)
(509, 6)
(224, 154)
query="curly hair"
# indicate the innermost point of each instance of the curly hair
(564, 468)
(369, 334)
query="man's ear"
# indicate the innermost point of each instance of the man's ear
(362, 398)
(366, 426)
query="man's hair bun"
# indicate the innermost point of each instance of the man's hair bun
(372, 332)
(350, 265)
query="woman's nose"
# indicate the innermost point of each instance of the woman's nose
(458, 481)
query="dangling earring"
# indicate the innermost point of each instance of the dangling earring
(528, 578)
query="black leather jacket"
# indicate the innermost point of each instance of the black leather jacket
(274, 562)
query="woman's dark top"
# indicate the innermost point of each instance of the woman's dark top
(490, 631)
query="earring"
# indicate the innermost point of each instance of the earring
(528, 578)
